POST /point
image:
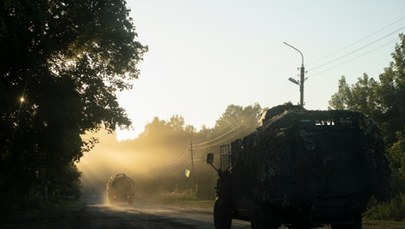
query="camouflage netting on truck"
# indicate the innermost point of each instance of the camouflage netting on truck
(290, 160)
(120, 188)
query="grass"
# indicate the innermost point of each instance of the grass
(379, 224)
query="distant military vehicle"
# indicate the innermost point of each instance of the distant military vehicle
(120, 188)
(302, 169)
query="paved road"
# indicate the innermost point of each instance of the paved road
(138, 216)
(152, 216)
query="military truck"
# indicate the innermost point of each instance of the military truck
(302, 169)
(120, 188)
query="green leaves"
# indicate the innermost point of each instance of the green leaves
(381, 100)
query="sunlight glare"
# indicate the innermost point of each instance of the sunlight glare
(123, 135)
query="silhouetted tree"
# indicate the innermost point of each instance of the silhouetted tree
(61, 63)
(383, 101)
(362, 96)
(238, 121)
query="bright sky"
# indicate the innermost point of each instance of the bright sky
(205, 55)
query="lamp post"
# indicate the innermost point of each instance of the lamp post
(302, 76)
(193, 188)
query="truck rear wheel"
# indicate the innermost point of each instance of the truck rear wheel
(263, 218)
(222, 215)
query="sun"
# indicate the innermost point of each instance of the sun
(123, 135)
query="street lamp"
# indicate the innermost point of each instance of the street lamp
(294, 80)
(302, 76)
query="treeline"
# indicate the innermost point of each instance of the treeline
(171, 143)
(383, 100)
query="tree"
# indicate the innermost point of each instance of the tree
(341, 99)
(391, 92)
(166, 131)
(235, 122)
(360, 96)
(62, 62)
(383, 101)
(397, 160)
(238, 118)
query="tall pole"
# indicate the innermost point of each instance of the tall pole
(192, 167)
(302, 75)
(302, 79)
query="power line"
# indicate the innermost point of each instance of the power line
(214, 139)
(358, 41)
(179, 160)
(358, 49)
(354, 58)
(252, 119)
(229, 138)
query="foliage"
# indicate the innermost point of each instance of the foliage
(384, 102)
(159, 131)
(238, 117)
(381, 100)
(392, 210)
(361, 96)
(62, 62)
(396, 158)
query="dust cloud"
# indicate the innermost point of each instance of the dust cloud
(155, 170)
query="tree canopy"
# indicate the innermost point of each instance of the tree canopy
(382, 100)
(62, 63)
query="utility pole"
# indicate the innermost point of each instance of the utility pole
(302, 76)
(192, 167)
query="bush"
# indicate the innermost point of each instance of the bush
(392, 210)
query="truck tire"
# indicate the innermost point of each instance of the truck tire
(222, 215)
(254, 224)
(260, 217)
